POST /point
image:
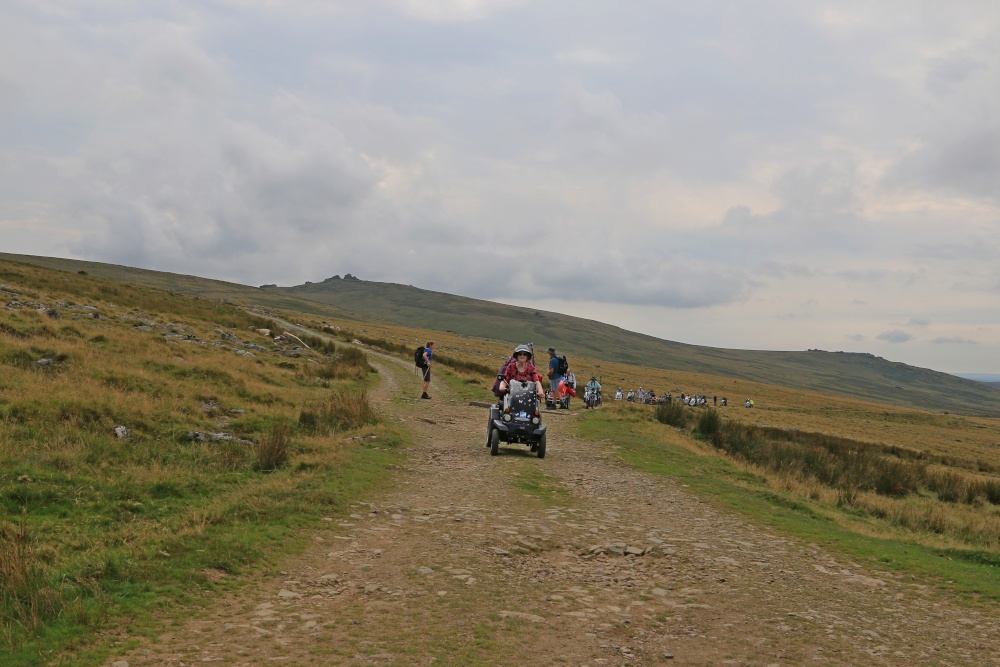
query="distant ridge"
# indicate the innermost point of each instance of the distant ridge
(855, 375)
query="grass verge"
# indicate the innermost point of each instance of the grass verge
(246, 525)
(466, 386)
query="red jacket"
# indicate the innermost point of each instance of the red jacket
(530, 374)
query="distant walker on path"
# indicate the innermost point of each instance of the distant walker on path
(428, 360)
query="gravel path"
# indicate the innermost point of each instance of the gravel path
(457, 564)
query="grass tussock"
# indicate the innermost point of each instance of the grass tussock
(322, 345)
(346, 363)
(674, 414)
(274, 448)
(26, 598)
(343, 410)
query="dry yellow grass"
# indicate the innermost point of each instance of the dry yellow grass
(102, 511)
(966, 437)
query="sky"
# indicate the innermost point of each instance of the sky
(776, 175)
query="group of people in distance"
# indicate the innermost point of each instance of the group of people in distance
(650, 397)
(640, 396)
(562, 383)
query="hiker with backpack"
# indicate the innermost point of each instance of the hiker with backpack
(558, 370)
(422, 358)
(553, 374)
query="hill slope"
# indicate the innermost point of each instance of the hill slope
(854, 375)
(848, 374)
(203, 287)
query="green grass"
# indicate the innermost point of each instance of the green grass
(464, 387)
(99, 533)
(237, 523)
(652, 447)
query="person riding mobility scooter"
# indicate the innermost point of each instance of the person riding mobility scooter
(592, 393)
(516, 419)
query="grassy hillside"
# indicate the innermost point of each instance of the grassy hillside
(206, 288)
(861, 376)
(854, 375)
(154, 444)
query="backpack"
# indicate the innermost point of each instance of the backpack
(418, 357)
(500, 374)
(563, 367)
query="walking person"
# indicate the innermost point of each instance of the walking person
(554, 375)
(428, 360)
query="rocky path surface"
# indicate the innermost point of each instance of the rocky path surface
(458, 564)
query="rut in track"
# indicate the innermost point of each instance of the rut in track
(456, 564)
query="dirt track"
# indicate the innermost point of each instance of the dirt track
(457, 565)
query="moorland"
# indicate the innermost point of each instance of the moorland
(854, 375)
(162, 436)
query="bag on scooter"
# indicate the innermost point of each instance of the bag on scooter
(500, 374)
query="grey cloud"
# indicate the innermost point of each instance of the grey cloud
(894, 336)
(171, 69)
(238, 192)
(454, 11)
(671, 284)
(774, 269)
(303, 193)
(944, 73)
(825, 188)
(976, 247)
(857, 337)
(970, 165)
(817, 215)
(955, 340)
(589, 57)
(917, 322)
(869, 276)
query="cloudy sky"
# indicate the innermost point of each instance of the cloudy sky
(765, 175)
